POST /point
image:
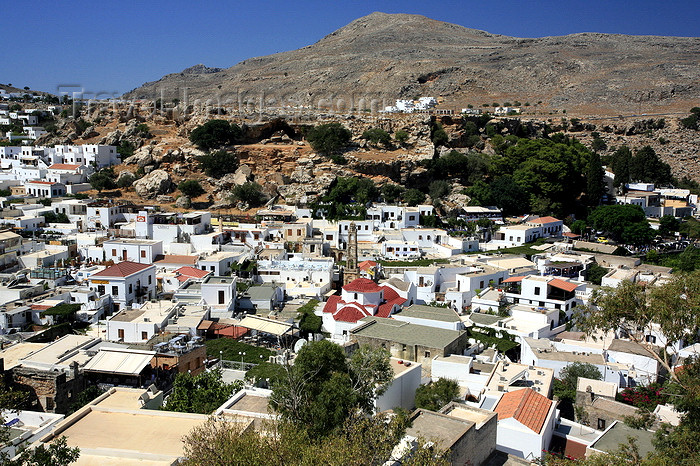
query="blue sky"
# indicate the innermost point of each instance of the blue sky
(115, 46)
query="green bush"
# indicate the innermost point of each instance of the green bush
(328, 138)
(250, 193)
(191, 188)
(103, 179)
(216, 133)
(436, 394)
(401, 136)
(377, 136)
(413, 197)
(219, 163)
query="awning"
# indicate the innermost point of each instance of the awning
(563, 285)
(119, 361)
(514, 279)
(270, 326)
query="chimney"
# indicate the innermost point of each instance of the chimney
(74, 369)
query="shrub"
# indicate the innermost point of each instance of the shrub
(126, 149)
(219, 163)
(438, 189)
(103, 179)
(413, 197)
(401, 136)
(125, 181)
(216, 133)
(191, 188)
(377, 136)
(328, 138)
(250, 193)
(437, 394)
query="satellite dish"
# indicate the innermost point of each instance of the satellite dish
(299, 344)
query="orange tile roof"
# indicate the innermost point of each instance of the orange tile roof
(514, 279)
(364, 265)
(176, 259)
(192, 272)
(563, 284)
(526, 406)
(122, 269)
(544, 220)
(65, 166)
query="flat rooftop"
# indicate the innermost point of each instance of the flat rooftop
(442, 429)
(251, 403)
(149, 312)
(145, 433)
(420, 311)
(405, 332)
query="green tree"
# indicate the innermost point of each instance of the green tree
(439, 136)
(565, 385)
(616, 219)
(595, 187)
(201, 393)
(216, 133)
(634, 310)
(437, 394)
(401, 136)
(668, 224)
(328, 138)
(413, 197)
(219, 163)
(250, 193)
(377, 136)
(370, 373)
(638, 234)
(439, 189)
(320, 390)
(57, 453)
(103, 179)
(191, 188)
(309, 322)
(578, 227)
(360, 440)
(392, 192)
(595, 273)
(620, 164)
(647, 167)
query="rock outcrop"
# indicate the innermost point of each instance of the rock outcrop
(156, 183)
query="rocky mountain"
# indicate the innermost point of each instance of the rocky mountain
(388, 56)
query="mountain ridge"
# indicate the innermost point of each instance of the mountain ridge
(389, 56)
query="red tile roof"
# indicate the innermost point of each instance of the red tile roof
(563, 284)
(514, 279)
(349, 314)
(176, 259)
(571, 235)
(41, 182)
(332, 303)
(544, 220)
(362, 285)
(65, 166)
(122, 269)
(526, 406)
(364, 265)
(192, 272)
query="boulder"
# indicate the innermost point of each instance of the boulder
(142, 157)
(183, 202)
(156, 183)
(89, 133)
(163, 199)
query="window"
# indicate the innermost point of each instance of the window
(150, 279)
(427, 354)
(481, 284)
(601, 424)
(114, 253)
(120, 333)
(298, 232)
(49, 403)
(144, 335)
(289, 231)
(537, 290)
(115, 290)
(221, 296)
(131, 288)
(143, 254)
(329, 237)
(650, 339)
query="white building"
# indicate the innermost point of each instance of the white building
(526, 421)
(126, 281)
(142, 251)
(140, 324)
